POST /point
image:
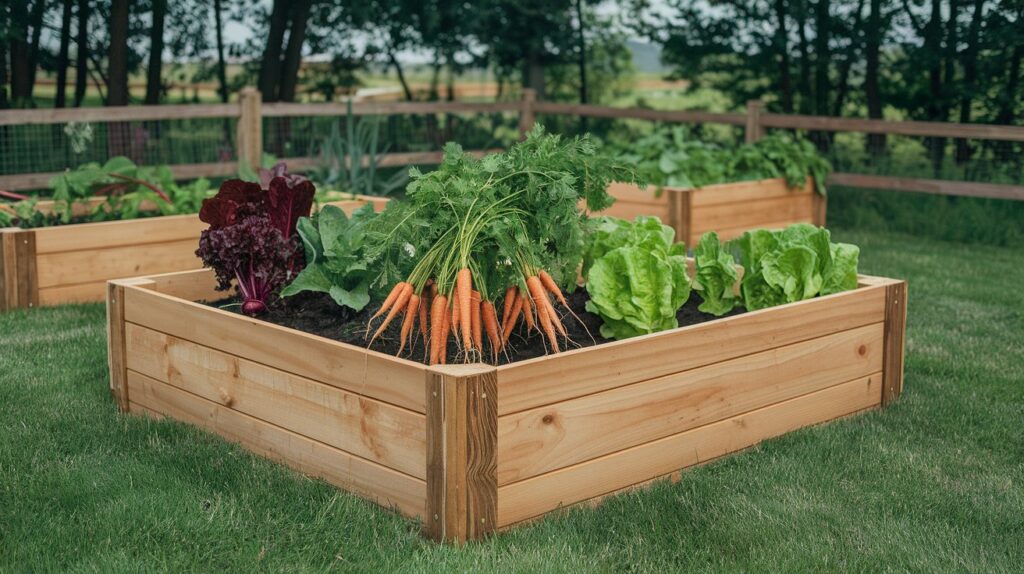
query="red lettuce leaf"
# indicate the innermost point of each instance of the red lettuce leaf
(234, 199)
(287, 202)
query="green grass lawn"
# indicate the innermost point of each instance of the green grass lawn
(934, 483)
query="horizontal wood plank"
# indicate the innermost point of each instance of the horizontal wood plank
(752, 214)
(117, 114)
(562, 434)
(80, 293)
(688, 116)
(546, 380)
(743, 191)
(529, 498)
(92, 236)
(906, 128)
(931, 186)
(370, 429)
(378, 483)
(369, 373)
(194, 285)
(77, 267)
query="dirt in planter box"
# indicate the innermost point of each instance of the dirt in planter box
(318, 314)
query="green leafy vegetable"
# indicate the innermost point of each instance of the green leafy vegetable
(715, 276)
(796, 263)
(669, 157)
(334, 246)
(636, 276)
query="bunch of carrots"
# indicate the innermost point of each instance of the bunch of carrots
(468, 315)
(440, 294)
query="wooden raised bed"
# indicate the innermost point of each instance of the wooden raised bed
(727, 208)
(471, 449)
(72, 263)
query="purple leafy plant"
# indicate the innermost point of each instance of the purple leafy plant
(251, 240)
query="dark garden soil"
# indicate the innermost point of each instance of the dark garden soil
(317, 313)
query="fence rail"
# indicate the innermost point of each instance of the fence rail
(250, 111)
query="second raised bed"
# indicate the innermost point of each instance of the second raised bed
(727, 208)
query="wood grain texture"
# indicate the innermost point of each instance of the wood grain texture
(529, 498)
(194, 285)
(562, 434)
(109, 234)
(73, 267)
(930, 186)
(117, 360)
(378, 483)
(546, 380)
(368, 373)
(895, 336)
(370, 429)
(753, 214)
(19, 286)
(461, 453)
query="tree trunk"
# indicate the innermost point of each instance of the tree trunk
(782, 50)
(222, 75)
(1009, 100)
(270, 67)
(20, 77)
(118, 133)
(533, 75)
(822, 57)
(843, 79)
(401, 75)
(872, 55)
(934, 107)
(60, 100)
(970, 65)
(450, 88)
(154, 85)
(805, 60)
(82, 56)
(38, 10)
(4, 102)
(293, 53)
(582, 48)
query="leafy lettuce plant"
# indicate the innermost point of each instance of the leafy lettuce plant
(796, 263)
(334, 246)
(636, 276)
(251, 239)
(716, 276)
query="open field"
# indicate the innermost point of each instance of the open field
(931, 484)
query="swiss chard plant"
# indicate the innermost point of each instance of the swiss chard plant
(251, 240)
(129, 191)
(636, 276)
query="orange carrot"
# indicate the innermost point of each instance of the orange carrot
(551, 286)
(513, 318)
(509, 301)
(490, 321)
(456, 316)
(537, 291)
(550, 308)
(474, 322)
(392, 297)
(442, 351)
(463, 293)
(424, 305)
(411, 311)
(400, 303)
(527, 312)
(438, 311)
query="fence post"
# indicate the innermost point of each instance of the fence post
(249, 144)
(526, 113)
(754, 130)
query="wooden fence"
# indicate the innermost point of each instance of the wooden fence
(250, 112)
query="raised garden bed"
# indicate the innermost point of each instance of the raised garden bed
(472, 449)
(72, 263)
(727, 208)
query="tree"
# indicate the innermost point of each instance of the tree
(62, 56)
(82, 54)
(154, 81)
(222, 75)
(117, 55)
(293, 53)
(270, 66)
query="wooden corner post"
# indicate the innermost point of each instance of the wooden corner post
(117, 360)
(250, 128)
(679, 217)
(19, 285)
(527, 115)
(754, 131)
(462, 433)
(895, 333)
